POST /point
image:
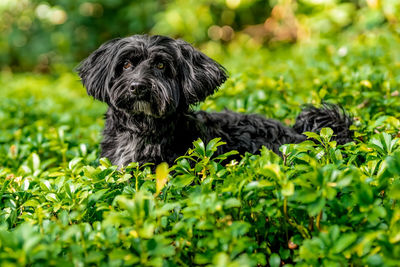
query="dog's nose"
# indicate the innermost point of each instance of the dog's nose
(137, 87)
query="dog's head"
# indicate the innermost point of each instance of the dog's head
(152, 75)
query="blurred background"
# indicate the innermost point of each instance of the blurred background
(41, 36)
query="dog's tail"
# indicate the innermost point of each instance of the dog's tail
(313, 119)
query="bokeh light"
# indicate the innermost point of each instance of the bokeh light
(34, 29)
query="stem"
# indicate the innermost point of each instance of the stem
(286, 217)
(318, 222)
(64, 157)
(285, 207)
(311, 224)
(136, 179)
(303, 230)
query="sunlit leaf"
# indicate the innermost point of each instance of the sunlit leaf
(161, 176)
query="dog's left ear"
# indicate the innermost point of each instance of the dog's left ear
(201, 75)
(95, 70)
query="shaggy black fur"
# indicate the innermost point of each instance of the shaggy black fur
(149, 83)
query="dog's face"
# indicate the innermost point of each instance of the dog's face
(151, 75)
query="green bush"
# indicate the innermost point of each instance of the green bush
(40, 34)
(319, 205)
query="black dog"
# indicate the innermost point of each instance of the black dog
(149, 83)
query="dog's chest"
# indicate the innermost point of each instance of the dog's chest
(125, 149)
(134, 148)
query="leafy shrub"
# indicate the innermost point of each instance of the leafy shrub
(40, 34)
(319, 205)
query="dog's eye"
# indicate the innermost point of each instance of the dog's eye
(160, 65)
(127, 65)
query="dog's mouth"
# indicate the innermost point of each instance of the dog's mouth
(154, 102)
(142, 107)
(138, 106)
(134, 104)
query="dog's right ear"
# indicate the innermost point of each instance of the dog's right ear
(95, 70)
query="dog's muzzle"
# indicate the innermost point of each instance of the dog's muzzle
(137, 87)
(140, 90)
(142, 107)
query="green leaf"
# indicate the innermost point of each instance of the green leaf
(313, 135)
(31, 203)
(97, 195)
(183, 180)
(126, 177)
(394, 192)
(274, 260)
(272, 171)
(344, 242)
(74, 162)
(226, 155)
(56, 174)
(315, 207)
(45, 185)
(232, 203)
(394, 163)
(199, 148)
(221, 259)
(105, 162)
(213, 144)
(161, 176)
(326, 134)
(94, 257)
(35, 162)
(67, 188)
(364, 195)
(25, 184)
(288, 189)
(52, 197)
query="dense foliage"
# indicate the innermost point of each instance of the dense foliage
(321, 204)
(39, 34)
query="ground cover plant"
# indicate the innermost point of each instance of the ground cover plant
(319, 205)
